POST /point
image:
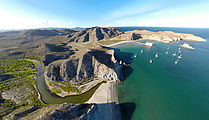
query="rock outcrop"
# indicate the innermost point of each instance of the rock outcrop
(97, 63)
(52, 52)
(51, 112)
(93, 34)
(162, 36)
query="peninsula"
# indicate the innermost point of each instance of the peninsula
(161, 36)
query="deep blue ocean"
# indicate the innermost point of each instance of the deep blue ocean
(163, 90)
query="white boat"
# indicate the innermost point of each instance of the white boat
(179, 49)
(142, 51)
(156, 55)
(179, 56)
(148, 44)
(120, 62)
(176, 62)
(135, 55)
(166, 52)
(174, 54)
(150, 60)
(168, 48)
(124, 63)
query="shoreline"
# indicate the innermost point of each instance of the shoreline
(106, 100)
(106, 97)
(104, 94)
(125, 41)
(35, 77)
(104, 87)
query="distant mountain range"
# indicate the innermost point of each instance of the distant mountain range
(93, 34)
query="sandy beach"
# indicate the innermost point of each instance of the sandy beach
(118, 43)
(104, 94)
(106, 98)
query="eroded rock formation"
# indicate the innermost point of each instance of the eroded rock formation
(97, 63)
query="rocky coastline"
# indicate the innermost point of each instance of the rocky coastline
(74, 62)
(102, 67)
(161, 36)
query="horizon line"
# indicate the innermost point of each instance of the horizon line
(97, 26)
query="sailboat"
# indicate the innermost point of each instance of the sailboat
(166, 52)
(141, 50)
(135, 55)
(176, 62)
(179, 56)
(156, 55)
(174, 54)
(150, 60)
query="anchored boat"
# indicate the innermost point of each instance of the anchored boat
(156, 55)
(150, 60)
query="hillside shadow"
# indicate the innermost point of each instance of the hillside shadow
(4, 77)
(127, 110)
(103, 111)
(102, 57)
(106, 59)
(125, 57)
(15, 53)
(25, 113)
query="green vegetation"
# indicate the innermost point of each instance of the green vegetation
(8, 106)
(65, 86)
(21, 72)
(56, 90)
(11, 65)
(18, 73)
(83, 82)
(82, 88)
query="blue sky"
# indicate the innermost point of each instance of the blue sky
(24, 14)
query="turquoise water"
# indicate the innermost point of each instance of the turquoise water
(164, 90)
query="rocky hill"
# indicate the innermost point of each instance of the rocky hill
(162, 36)
(52, 52)
(98, 63)
(49, 33)
(93, 34)
(93, 66)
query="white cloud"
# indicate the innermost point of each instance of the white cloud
(14, 21)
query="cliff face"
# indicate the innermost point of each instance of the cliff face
(93, 34)
(76, 66)
(97, 63)
(162, 36)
